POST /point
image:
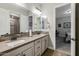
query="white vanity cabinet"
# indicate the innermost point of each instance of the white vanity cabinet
(34, 48)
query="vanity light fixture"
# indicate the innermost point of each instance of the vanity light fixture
(36, 11)
(44, 16)
(20, 4)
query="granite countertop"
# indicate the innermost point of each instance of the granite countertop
(4, 46)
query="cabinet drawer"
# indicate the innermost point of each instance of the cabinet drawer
(38, 41)
(31, 44)
(29, 52)
(19, 50)
(13, 52)
(38, 50)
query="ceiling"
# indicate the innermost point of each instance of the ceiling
(22, 7)
(29, 6)
(61, 10)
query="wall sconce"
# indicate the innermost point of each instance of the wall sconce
(44, 16)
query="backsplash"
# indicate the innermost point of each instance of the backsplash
(9, 36)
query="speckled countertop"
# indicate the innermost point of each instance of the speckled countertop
(4, 45)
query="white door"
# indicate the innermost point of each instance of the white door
(73, 29)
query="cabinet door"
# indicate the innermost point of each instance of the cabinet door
(12, 53)
(46, 42)
(43, 45)
(38, 50)
(38, 47)
(29, 52)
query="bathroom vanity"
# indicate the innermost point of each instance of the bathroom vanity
(25, 46)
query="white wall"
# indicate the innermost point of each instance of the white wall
(4, 21)
(48, 10)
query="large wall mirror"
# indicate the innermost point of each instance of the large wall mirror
(38, 23)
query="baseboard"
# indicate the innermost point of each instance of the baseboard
(51, 48)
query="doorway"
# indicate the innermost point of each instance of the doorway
(63, 29)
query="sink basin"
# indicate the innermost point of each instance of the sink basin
(15, 43)
(1, 40)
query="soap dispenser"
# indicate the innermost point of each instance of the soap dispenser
(30, 33)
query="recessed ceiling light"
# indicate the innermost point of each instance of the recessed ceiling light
(68, 11)
(36, 11)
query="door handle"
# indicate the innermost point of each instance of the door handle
(73, 39)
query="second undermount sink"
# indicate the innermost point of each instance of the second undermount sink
(14, 43)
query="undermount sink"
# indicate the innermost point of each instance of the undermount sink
(1, 40)
(15, 42)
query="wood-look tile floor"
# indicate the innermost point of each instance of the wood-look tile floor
(50, 52)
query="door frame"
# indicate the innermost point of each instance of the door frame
(72, 26)
(73, 30)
